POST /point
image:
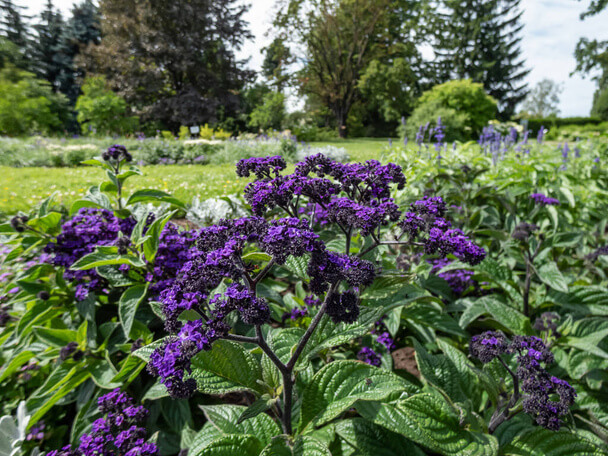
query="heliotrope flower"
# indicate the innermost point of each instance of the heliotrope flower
(117, 433)
(543, 200)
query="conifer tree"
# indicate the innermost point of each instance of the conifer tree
(480, 40)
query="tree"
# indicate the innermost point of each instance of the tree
(47, 45)
(277, 57)
(480, 40)
(592, 59)
(340, 38)
(101, 111)
(270, 113)
(28, 105)
(543, 99)
(174, 61)
(83, 28)
(359, 58)
(13, 27)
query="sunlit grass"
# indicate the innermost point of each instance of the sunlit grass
(22, 188)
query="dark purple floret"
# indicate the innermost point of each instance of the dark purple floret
(288, 236)
(488, 345)
(67, 351)
(460, 280)
(295, 314)
(18, 223)
(262, 167)
(117, 152)
(343, 307)
(369, 356)
(115, 434)
(547, 322)
(523, 231)
(43, 295)
(36, 433)
(543, 200)
(385, 339)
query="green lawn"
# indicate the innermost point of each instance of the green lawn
(22, 188)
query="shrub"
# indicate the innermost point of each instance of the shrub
(184, 132)
(464, 107)
(270, 114)
(206, 132)
(101, 111)
(600, 104)
(28, 105)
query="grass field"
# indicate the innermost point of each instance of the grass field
(22, 188)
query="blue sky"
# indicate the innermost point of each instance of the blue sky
(552, 28)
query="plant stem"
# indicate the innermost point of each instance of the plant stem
(287, 401)
(498, 418)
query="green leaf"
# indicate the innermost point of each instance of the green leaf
(151, 195)
(338, 385)
(329, 334)
(303, 446)
(55, 337)
(372, 440)
(549, 274)
(258, 257)
(224, 419)
(542, 442)
(104, 256)
(509, 317)
(429, 421)
(46, 223)
(259, 406)
(231, 445)
(298, 266)
(15, 363)
(128, 304)
(153, 237)
(114, 276)
(75, 379)
(146, 351)
(227, 367)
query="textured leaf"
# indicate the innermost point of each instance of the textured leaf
(549, 274)
(102, 257)
(225, 368)
(429, 421)
(372, 440)
(298, 266)
(225, 417)
(128, 304)
(259, 406)
(153, 236)
(303, 446)
(329, 334)
(150, 195)
(509, 317)
(586, 300)
(232, 445)
(542, 442)
(15, 363)
(338, 385)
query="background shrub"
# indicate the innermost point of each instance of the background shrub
(464, 107)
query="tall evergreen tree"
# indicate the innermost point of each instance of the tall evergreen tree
(174, 61)
(14, 28)
(83, 28)
(47, 46)
(480, 40)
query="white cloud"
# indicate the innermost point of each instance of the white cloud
(552, 29)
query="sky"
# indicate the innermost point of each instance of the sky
(552, 29)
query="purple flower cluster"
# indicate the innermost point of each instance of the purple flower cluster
(117, 152)
(89, 228)
(295, 314)
(36, 433)
(327, 267)
(459, 280)
(543, 200)
(115, 434)
(539, 387)
(262, 167)
(369, 356)
(425, 222)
